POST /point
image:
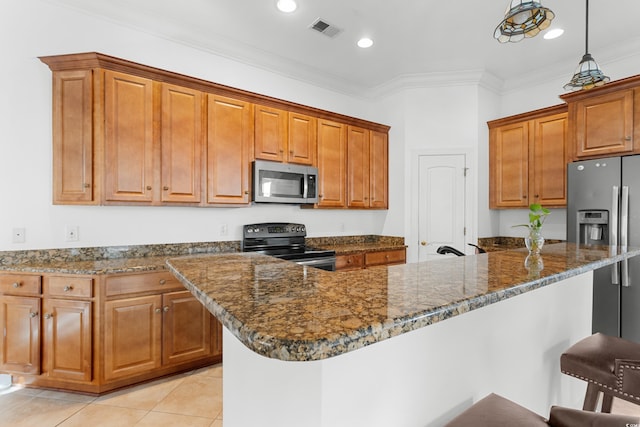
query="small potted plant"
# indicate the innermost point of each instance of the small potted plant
(537, 215)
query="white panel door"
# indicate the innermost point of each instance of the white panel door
(441, 204)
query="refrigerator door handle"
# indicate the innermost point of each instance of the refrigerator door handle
(613, 231)
(624, 234)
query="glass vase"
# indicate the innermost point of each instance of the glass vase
(534, 241)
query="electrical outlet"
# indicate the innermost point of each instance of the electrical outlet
(71, 233)
(224, 230)
(18, 235)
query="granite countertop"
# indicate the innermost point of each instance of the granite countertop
(289, 312)
(347, 245)
(90, 267)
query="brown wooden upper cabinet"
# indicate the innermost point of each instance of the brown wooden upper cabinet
(332, 164)
(367, 168)
(130, 134)
(283, 136)
(605, 121)
(528, 159)
(229, 123)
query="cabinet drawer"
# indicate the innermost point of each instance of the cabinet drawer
(349, 262)
(396, 256)
(146, 282)
(19, 284)
(65, 286)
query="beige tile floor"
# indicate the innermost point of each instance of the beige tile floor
(193, 399)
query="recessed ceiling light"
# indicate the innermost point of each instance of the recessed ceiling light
(287, 6)
(365, 42)
(553, 34)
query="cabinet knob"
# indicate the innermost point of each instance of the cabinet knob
(32, 315)
(149, 187)
(16, 285)
(67, 288)
(349, 260)
(87, 185)
(158, 310)
(537, 196)
(246, 191)
(291, 152)
(48, 315)
(627, 138)
(165, 188)
(165, 308)
(163, 281)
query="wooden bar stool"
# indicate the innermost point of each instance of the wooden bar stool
(496, 411)
(609, 365)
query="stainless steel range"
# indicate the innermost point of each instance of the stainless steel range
(286, 241)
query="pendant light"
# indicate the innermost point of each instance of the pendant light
(523, 18)
(588, 74)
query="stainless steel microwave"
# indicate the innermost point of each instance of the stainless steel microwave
(275, 182)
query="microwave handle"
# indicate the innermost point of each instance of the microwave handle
(305, 189)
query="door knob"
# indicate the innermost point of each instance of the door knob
(423, 243)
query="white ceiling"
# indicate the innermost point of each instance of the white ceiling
(412, 37)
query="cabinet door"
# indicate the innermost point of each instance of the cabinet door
(549, 180)
(229, 138)
(128, 138)
(509, 166)
(132, 334)
(182, 137)
(67, 339)
(72, 137)
(379, 171)
(357, 167)
(302, 139)
(604, 124)
(20, 343)
(186, 333)
(270, 133)
(332, 163)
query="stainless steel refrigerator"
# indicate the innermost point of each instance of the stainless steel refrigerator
(603, 208)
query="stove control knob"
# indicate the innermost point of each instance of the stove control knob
(302, 228)
(249, 230)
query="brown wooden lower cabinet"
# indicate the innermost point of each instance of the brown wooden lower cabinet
(369, 259)
(97, 333)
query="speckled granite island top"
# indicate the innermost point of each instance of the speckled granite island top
(285, 311)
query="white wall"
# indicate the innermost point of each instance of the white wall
(38, 28)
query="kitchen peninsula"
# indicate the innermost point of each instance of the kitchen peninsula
(403, 345)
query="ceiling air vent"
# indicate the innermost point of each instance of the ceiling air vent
(322, 26)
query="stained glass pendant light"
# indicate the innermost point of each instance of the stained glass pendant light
(523, 18)
(588, 74)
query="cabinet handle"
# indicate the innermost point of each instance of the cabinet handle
(165, 308)
(67, 288)
(163, 281)
(158, 310)
(32, 315)
(16, 285)
(165, 188)
(149, 187)
(48, 315)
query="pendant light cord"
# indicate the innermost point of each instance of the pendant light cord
(586, 36)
